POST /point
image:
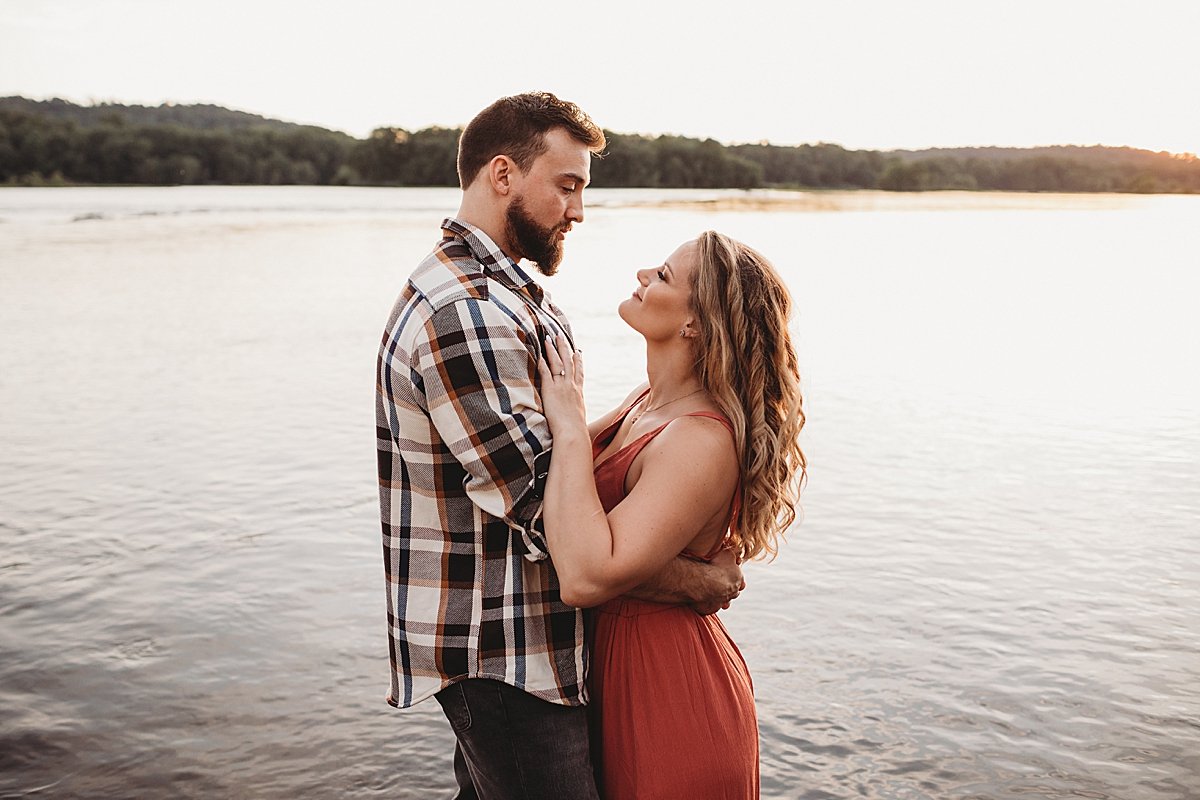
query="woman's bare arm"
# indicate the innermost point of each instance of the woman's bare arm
(707, 587)
(688, 475)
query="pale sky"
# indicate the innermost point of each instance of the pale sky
(882, 74)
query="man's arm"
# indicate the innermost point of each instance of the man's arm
(478, 377)
(706, 587)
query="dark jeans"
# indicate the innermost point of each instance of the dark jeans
(513, 745)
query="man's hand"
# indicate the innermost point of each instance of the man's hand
(726, 583)
(706, 586)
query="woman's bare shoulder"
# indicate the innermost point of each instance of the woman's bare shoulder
(692, 463)
(696, 440)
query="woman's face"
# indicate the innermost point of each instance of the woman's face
(660, 306)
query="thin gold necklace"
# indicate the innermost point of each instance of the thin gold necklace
(647, 408)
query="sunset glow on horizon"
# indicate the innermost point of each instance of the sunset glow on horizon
(866, 75)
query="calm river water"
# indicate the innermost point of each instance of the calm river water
(994, 592)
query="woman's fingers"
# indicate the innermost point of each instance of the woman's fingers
(545, 370)
(564, 353)
(553, 359)
(559, 360)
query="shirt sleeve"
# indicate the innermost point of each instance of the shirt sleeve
(479, 371)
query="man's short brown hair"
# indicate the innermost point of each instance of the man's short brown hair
(516, 127)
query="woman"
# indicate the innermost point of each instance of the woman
(704, 456)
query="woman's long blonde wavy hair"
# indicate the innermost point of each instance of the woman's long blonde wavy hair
(746, 363)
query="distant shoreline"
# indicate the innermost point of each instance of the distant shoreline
(56, 143)
(764, 200)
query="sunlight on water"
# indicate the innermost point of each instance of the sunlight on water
(993, 593)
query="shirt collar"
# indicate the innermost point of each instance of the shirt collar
(487, 253)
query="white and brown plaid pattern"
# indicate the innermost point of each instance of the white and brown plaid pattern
(463, 449)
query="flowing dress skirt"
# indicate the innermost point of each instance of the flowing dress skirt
(672, 706)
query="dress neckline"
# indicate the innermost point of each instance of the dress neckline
(611, 431)
(615, 426)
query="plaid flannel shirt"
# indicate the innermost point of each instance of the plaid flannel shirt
(463, 452)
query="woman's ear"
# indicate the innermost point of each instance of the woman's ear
(689, 329)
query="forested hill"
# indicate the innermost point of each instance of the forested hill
(200, 116)
(56, 142)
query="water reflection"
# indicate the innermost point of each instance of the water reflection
(992, 593)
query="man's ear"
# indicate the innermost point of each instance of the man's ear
(500, 172)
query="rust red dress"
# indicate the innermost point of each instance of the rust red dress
(672, 705)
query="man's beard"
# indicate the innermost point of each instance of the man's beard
(535, 243)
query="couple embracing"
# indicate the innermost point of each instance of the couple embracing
(552, 582)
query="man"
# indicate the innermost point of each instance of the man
(474, 612)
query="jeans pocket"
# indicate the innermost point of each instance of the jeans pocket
(453, 700)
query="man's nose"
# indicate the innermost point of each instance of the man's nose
(575, 208)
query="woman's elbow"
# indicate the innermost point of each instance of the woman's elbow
(587, 588)
(582, 594)
(587, 584)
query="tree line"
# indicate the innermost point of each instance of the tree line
(59, 143)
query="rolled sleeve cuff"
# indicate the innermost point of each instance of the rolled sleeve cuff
(532, 534)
